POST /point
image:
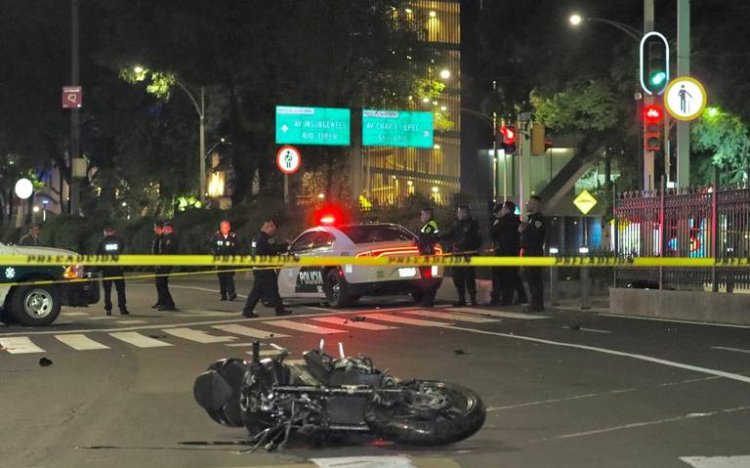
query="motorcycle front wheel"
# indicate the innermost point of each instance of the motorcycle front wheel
(427, 413)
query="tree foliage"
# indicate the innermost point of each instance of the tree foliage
(725, 140)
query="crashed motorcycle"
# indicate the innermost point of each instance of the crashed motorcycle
(328, 397)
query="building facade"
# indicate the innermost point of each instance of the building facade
(390, 174)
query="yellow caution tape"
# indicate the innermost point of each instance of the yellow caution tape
(290, 260)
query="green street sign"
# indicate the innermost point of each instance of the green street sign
(313, 126)
(397, 128)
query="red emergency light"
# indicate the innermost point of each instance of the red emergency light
(329, 215)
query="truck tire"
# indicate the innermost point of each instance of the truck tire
(35, 306)
(428, 413)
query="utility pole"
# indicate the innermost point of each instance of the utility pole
(524, 172)
(648, 156)
(202, 148)
(75, 116)
(683, 69)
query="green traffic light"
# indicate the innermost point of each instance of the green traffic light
(658, 78)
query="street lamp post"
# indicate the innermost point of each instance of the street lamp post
(635, 33)
(201, 110)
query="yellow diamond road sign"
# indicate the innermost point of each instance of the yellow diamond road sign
(584, 202)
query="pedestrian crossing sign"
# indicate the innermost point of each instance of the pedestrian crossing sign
(585, 202)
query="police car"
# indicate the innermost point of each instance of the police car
(34, 294)
(342, 285)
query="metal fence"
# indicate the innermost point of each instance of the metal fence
(696, 223)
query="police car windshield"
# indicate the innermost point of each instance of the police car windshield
(364, 234)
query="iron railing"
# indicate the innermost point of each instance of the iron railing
(694, 223)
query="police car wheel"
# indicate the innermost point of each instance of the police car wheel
(336, 291)
(417, 296)
(35, 306)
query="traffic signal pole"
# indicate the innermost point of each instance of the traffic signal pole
(683, 69)
(648, 156)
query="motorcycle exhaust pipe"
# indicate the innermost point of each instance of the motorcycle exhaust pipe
(256, 352)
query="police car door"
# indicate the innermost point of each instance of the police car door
(301, 246)
(310, 279)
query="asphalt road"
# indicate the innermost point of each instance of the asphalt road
(563, 389)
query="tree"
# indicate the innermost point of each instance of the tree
(724, 140)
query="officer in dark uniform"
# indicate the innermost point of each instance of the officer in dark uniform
(156, 250)
(167, 246)
(533, 232)
(224, 242)
(265, 286)
(506, 241)
(466, 241)
(112, 245)
(426, 242)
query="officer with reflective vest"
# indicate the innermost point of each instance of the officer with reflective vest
(426, 242)
(224, 242)
(113, 246)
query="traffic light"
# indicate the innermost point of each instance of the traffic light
(508, 133)
(653, 119)
(654, 63)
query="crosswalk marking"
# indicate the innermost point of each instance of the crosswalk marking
(19, 345)
(498, 313)
(249, 331)
(349, 323)
(406, 320)
(75, 314)
(449, 316)
(80, 342)
(265, 353)
(138, 340)
(131, 322)
(199, 336)
(304, 327)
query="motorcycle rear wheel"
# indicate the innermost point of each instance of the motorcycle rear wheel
(430, 413)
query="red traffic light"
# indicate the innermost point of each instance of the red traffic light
(653, 114)
(509, 134)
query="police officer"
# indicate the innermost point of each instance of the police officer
(428, 238)
(156, 250)
(265, 286)
(112, 245)
(466, 241)
(506, 241)
(167, 246)
(224, 242)
(31, 237)
(532, 245)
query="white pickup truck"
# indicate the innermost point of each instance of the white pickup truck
(49, 287)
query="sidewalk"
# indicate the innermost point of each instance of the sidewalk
(447, 293)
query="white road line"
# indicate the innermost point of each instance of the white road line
(449, 316)
(593, 330)
(736, 350)
(501, 314)
(406, 320)
(557, 400)
(131, 322)
(387, 461)
(249, 331)
(74, 314)
(138, 340)
(649, 423)
(735, 461)
(103, 317)
(689, 322)
(640, 357)
(208, 313)
(19, 345)
(80, 342)
(345, 322)
(304, 327)
(199, 336)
